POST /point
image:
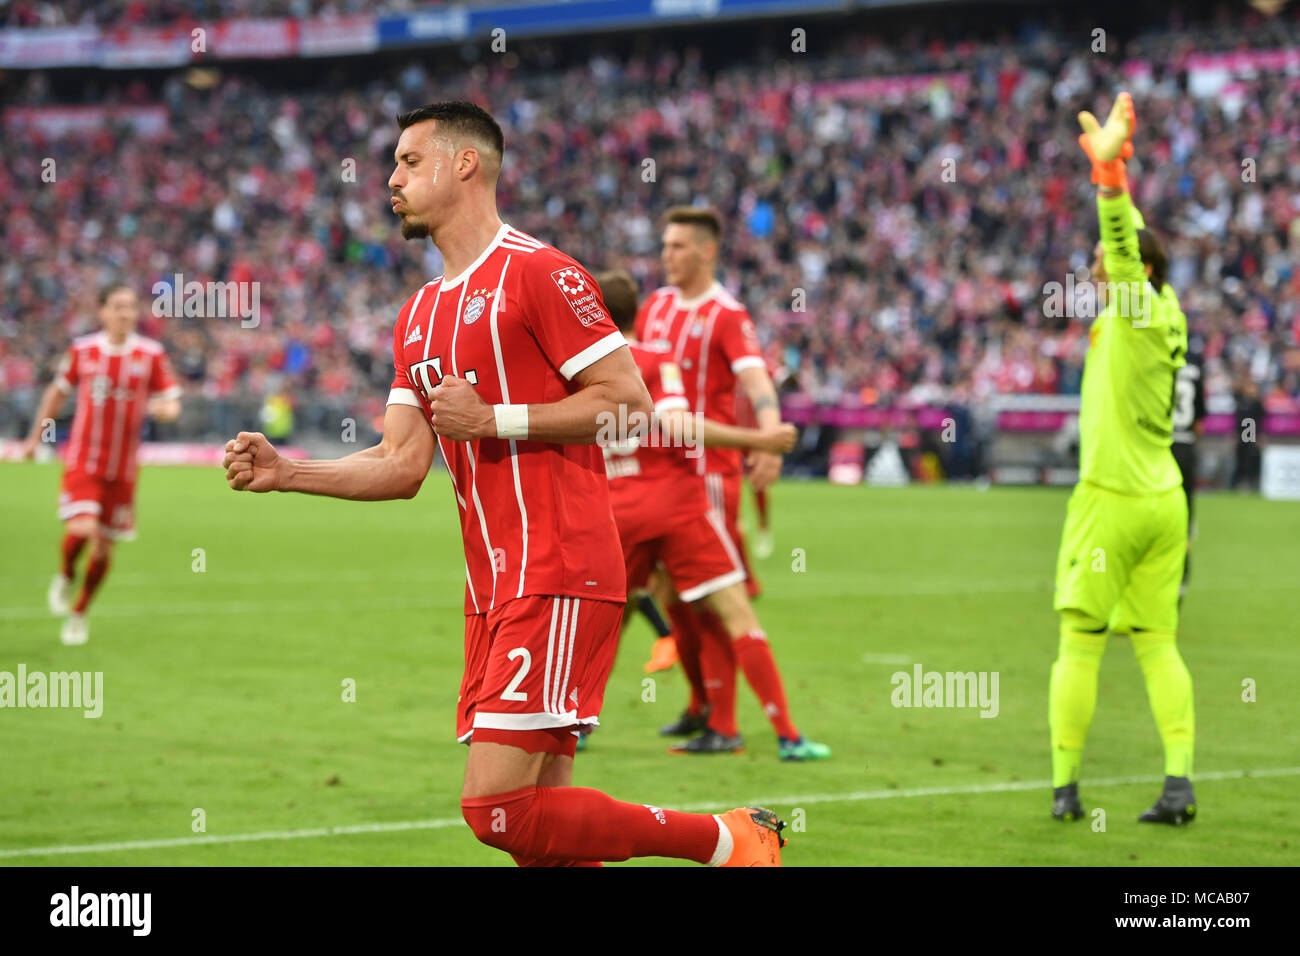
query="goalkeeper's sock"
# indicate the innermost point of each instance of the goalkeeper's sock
(1169, 688)
(1072, 694)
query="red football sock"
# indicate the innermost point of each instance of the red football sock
(575, 824)
(718, 660)
(95, 572)
(686, 632)
(530, 861)
(72, 545)
(756, 660)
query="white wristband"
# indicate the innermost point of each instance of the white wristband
(512, 420)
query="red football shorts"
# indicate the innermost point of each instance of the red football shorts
(535, 671)
(698, 557)
(724, 501)
(111, 501)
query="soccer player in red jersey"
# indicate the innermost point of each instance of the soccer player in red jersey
(120, 378)
(508, 364)
(664, 515)
(711, 337)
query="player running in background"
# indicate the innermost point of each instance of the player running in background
(711, 338)
(1125, 537)
(120, 377)
(664, 516)
(1189, 410)
(508, 365)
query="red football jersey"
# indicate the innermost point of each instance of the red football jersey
(115, 385)
(711, 338)
(518, 324)
(653, 487)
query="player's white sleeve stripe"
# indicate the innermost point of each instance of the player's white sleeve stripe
(544, 721)
(404, 396)
(514, 446)
(563, 632)
(568, 664)
(63, 385)
(671, 403)
(747, 361)
(592, 354)
(174, 391)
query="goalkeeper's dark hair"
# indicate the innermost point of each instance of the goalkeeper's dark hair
(619, 291)
(459, 117)
(1152, 251)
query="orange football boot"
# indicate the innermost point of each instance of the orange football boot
(755, 835)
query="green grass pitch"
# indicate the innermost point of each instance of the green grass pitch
(223, 688)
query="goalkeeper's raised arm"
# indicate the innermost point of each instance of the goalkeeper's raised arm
(1128, 255)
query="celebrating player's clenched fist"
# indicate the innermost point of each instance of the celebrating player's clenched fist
(457, 413)
(251, 463)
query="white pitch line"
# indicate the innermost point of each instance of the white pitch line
(212, 608)
(851, 797)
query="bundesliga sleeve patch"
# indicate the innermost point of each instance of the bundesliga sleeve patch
(581, 297)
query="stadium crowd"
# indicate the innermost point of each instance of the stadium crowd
(139, 13)
(893, 248)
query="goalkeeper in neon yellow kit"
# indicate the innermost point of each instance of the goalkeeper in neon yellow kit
(1125, 537)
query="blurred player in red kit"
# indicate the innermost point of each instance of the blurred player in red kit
(745, 417)
(664, 516)
(510, 367)
(712, 339)
(120, 377)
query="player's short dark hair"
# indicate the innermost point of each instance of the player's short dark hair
(619, 291)
(705, 219)
(108, 288)
(1152, 251)
(459, 117)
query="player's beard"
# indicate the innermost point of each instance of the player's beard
(414, 228)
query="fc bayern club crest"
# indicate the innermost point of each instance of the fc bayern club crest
(474, 309)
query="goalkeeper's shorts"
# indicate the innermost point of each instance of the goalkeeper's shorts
(1121, 558)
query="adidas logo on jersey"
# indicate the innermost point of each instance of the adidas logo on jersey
(415, 336)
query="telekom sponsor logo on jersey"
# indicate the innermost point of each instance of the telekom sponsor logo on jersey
(211, 300)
